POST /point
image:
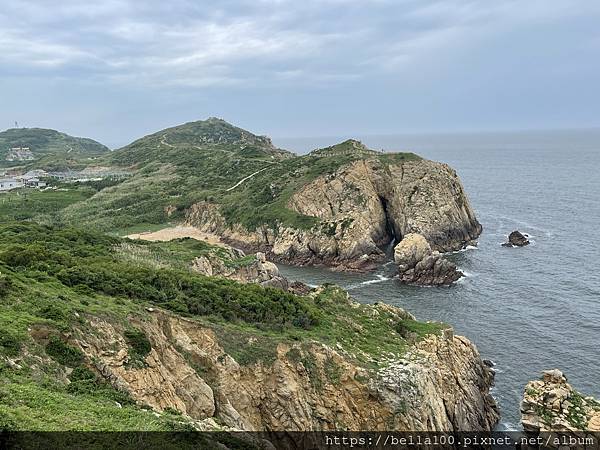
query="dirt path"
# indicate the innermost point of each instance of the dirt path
(177, 232)
(244, 179)
(162, 141)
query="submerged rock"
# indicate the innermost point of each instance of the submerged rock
(516, 239)
(419, 264)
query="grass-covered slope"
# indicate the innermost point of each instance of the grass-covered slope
(54, 280)
(48, 149)
(217, 162)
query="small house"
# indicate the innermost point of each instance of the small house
(7, 184)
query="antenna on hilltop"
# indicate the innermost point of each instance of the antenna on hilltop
(16, 124)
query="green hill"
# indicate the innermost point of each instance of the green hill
(43, 148)
(212, 161)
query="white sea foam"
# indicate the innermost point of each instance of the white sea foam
(379, 279)
(468, 247)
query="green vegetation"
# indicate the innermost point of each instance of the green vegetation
(86, 262)
(203, 161)
(412, 328)
(64, 353)
(55, 278)
(51, 149)
(26, 204)
(139, 347)
(27, 405)
(177, 254)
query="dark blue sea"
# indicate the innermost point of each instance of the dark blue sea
(528, 309)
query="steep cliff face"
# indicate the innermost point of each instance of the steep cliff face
(439, 384)
(361, 208)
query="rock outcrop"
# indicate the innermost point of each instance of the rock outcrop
(516, 239)
(361, 208)
(440, 384)
(419, 265)
(246, 269)
(552, 405)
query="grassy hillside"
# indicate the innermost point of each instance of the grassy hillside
(55, 279)
(217, 162)
(49, 149)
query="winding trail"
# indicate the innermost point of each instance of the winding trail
(162, 141)
(246, 178)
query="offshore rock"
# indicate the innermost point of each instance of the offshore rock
(419, 265)
(516, 239)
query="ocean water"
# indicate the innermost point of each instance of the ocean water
(528, 309)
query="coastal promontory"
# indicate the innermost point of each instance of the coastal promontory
(340, 206)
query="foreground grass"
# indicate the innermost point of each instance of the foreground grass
(25, 204)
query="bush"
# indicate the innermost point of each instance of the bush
(9, 344)
(7, 423)
(63, 353)
(82, 373)
(5, 285)
(53, 312)
(23, 256)
(138, 342)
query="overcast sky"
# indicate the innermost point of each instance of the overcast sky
(115, 70)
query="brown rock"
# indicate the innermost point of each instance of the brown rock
(418, 264)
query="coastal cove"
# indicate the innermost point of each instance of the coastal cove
(527, 309)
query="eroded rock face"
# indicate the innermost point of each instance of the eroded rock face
(361, 208)
(440, 384)
(552, 405)
(418, 264)
(516, 239)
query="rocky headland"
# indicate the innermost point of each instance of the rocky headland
(361, 208)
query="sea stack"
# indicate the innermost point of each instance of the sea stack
(516, 239)
(420, 265)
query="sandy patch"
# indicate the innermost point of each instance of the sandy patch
(168, 234)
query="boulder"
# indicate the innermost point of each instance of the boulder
(516, 239)
(418, 264)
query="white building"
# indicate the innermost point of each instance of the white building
(6, 184)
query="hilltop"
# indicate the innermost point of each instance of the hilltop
(185, 144)
(207, 161)
(44, 148)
